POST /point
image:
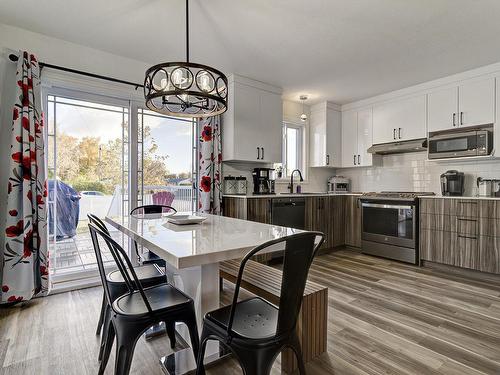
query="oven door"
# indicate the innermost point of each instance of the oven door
(453, 145)
(390, 223)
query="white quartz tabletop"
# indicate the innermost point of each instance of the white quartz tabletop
(217, 239)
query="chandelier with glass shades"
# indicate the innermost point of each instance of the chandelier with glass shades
(186, 89)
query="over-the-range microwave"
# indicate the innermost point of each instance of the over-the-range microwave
(474, 142)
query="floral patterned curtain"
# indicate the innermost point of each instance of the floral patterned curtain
(25, 266)
(210, 164)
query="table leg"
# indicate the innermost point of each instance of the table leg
(202, 284)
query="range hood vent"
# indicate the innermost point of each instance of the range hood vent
(399, 147)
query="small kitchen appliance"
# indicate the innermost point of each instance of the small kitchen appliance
(463, 143)
(495, 187)
(263, 180)
(484, 187)
(338, 184)
(453, 183)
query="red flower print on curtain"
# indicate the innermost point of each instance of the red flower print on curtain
(210, 164)
(25, 254)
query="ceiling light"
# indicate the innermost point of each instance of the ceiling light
(303, 116)
(186, 89)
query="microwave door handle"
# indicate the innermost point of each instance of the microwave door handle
(454, 117)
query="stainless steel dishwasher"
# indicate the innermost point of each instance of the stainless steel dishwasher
(289, 212)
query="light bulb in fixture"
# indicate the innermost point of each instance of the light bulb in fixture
(303, 116)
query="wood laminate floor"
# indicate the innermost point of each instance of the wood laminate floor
(384, 318)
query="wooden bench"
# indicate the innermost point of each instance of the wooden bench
(312, 324)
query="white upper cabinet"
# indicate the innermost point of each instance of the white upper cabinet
(476, 102)
(470, 103)
(325, 135)
(365, 136)
(442, 109)
(399, 120)
(252, 125)
(357, 126)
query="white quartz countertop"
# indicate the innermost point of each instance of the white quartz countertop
(462, 197)
(217, 239)
(287, 195)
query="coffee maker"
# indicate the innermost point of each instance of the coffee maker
(263, 180)
(453, 183)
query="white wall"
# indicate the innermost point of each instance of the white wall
(316, 177)
(63, 53)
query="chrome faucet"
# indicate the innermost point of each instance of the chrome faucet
(290, 187)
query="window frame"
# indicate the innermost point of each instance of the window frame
(300, 148)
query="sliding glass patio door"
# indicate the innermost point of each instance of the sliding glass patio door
(106, 156)
(88, 172)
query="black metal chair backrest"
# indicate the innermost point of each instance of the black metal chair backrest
(98, 223)
(152, 209)
(299, 253)
(122, 262)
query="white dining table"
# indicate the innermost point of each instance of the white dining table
(193, 253)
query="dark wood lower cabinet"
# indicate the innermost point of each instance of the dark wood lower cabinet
(254, 209)
(352, 220)
(318, 217)
(460, 232)
(489, 254)
(325, 214)
(259, 210)
(338, 217)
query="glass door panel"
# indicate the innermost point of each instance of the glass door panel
(88, 173)
(165, 161)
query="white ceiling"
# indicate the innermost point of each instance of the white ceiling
(338, 50)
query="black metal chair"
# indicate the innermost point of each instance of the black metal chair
(255, 330)
(139, 308)
(148, 257)
(149, 275)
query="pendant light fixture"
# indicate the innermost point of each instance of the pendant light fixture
(303, 116)
(186, 89)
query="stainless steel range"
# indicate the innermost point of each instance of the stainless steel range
(390, 225)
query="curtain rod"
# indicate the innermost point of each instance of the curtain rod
(14, 58)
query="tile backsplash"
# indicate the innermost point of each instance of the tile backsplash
(316, 177)
(413, 172)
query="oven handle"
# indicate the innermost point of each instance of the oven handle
(380, 205)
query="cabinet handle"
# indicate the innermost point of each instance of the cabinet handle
(468, 237)
(393, 133)
(258, 153)
(359, 161)
(262, 148)
(454, 116)
(461, 118)
(399, 133)
(327, 159)
(354, 159)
